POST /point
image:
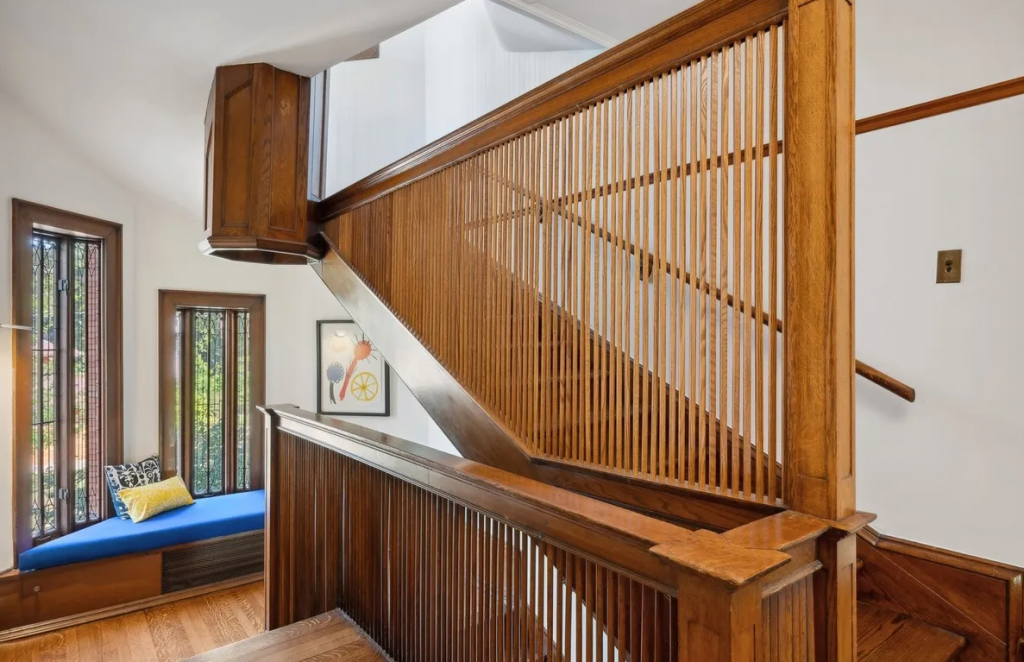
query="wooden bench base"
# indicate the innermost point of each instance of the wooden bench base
(39, 596)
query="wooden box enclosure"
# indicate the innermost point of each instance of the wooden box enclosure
(257, 205)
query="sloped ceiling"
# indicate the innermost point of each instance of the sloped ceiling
(125, 82)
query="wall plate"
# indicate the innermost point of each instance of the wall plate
(949, 267)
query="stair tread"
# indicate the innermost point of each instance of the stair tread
(886, 636)
(331, 634)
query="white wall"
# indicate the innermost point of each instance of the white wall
(427, 82)
(945, 470)
(160, 252)
(376, 110)
(469, 74)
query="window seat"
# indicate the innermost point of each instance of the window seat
(212, 517)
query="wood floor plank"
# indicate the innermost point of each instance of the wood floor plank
(168, 633)
(90, 642)
(141, 647)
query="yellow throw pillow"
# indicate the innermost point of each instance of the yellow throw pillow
(148, 500)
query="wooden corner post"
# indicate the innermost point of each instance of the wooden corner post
(820, 363)
(718, 623)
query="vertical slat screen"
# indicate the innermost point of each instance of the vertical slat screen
(788, 622)
(431, 579)
(608, 284)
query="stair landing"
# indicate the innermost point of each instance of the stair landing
(329, 636)
(885, 636)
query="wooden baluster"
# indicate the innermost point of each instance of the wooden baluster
(713, 303)
(773, 262)
(660, 305)
(723, 278)
(758, 139)
(693, 212)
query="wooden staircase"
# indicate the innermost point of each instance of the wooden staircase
(330, 636)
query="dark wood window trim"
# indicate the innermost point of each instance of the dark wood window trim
(172, 457)
(26, 218)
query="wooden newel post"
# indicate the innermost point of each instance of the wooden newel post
(719, 623)
(820, 363)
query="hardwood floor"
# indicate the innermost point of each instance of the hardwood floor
(168, 633)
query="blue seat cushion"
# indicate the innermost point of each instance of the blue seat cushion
(212, 517)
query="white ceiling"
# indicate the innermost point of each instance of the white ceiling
(125, 82)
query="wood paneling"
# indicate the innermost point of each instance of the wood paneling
(26, 217)
(977, 599)
(969, 99)
(10, 601)
(788, 616)
(163, 633)
(82, 587)
(258, 173)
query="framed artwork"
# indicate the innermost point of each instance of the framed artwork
(352, 378)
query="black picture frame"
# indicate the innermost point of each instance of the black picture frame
(320, 375)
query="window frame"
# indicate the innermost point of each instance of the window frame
(172, 458)
(26, 218)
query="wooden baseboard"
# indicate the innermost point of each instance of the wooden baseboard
(126, 608)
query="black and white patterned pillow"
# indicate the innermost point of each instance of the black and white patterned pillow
(120, 476)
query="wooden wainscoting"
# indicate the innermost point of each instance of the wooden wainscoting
(977, 599)
(52, 598)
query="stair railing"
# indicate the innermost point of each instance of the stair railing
(439, 558)
(743, 112)
(691, 395)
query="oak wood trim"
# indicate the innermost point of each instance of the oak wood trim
(591, 526)
(943, 105)
(975, 564)
(169, 302)
(34, 629)
(26, 217)
(690, 34)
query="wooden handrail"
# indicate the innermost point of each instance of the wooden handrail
(890, 384)
(603, 531)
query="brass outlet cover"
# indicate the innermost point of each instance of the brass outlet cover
(949, 268)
